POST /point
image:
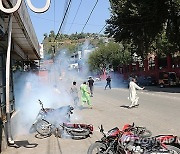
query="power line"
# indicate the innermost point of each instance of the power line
(67, 23)
(89, 16)
(63, 19)
(54, 14)
(75, 15)
(102, 28)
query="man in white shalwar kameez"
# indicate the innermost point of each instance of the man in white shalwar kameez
(132, 93)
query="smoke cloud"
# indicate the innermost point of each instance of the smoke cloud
(53, 89)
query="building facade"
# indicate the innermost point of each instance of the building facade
(24, 49)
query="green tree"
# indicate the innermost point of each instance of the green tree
(173, 24)
(52, 34)
(111, 54)
(137, 22)
(71, 49)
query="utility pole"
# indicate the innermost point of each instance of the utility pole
(8, 59)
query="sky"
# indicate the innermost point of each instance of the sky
(51, 19)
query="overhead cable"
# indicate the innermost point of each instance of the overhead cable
(54, 14)
(102, 28)
(63, 19)
(89, 16)
(75, 16)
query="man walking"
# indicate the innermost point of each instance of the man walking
(108, 82)
(91, 85)
(74, 94)
(85, 94)
(132, 93)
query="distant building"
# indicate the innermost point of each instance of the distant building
(41, 50)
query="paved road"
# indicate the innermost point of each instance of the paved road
(158, 111)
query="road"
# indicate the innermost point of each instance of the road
(158, 111)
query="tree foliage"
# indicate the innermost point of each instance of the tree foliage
(140, 22)
(71, 42)
(106, 56)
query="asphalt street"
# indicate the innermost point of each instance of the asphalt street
(158, 111)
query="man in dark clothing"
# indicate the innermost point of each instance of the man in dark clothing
(91, 85)
(108, 82)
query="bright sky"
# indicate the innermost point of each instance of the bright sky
(51, 20)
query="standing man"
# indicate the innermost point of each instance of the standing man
(74, 94)
(132, 93)
(108, 82)
(91, 85)
(85, 94)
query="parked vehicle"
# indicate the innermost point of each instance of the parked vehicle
(56, 121)
(109, 143)
(146, 81)
(132, 140)
(168, 79)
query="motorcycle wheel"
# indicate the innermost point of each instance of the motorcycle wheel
(80, 132)
(146, 133)
(143, 132)
(98, 148)
(173, 149)
(44, 128)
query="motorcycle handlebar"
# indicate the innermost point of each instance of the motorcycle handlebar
(41, 103)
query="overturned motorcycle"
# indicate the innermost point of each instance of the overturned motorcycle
(46, 123)
(133, 140)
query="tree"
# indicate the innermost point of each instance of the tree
(162, 46)
(173, 24)
(52, 34)
(111, 55)
(71, 49)
(45, 35)
(137, 22)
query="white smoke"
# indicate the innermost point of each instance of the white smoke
(53, 90)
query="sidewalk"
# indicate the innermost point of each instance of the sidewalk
(29, 144)
(166, 89)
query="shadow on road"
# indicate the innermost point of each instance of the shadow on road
(38, 136)
(125, 106)
(24, 143)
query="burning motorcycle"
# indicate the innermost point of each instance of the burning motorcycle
(130, 139)
(49, 121)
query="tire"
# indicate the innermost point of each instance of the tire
(173, 149)
(161, 85)
(44, 128)
(146, 133)
(98, 148)
(80, 132)
(143, 132)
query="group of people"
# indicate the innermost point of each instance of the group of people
(85, 93)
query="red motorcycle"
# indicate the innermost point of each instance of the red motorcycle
(131, 139)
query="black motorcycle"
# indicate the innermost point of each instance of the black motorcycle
(48, 116)
(56, 121)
